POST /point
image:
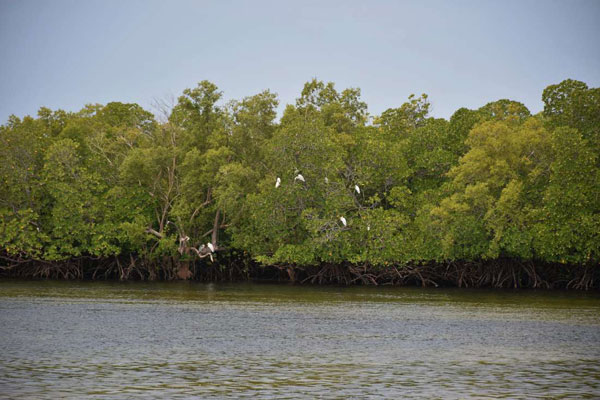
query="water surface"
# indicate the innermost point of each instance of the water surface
(102, 340)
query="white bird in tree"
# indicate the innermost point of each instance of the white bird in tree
(343, 221)
(326, 180)
(212, 250)
(299, 177)
(278, 182)
(357, 189)
(201, 253)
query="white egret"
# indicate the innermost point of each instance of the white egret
(326, 180)
(357, 189)
(343, 220)
(211, 247)
(300, 178)
(278, 182)
(368, 227)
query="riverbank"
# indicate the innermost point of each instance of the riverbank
(501, 273)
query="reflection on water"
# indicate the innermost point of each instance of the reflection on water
(180, 340)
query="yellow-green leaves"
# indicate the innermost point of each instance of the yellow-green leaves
(489, 183)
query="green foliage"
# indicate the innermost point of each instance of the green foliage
(569, 230)
(571, 103)
(493, 188)
(327, 183)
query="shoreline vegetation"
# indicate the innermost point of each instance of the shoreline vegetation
(497, 274)
(327, 194)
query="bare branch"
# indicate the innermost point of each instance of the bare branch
(155, 233)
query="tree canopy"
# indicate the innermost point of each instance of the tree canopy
(327, 183)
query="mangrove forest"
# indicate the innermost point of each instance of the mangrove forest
(322, 193)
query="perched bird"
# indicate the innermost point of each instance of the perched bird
(211, 247)
(357, 189)
(343, 220)
(326, 180)
(278, 182)
(368, 227)
(300, 178)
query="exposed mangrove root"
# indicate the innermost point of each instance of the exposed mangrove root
(491, 274)
(501, 273)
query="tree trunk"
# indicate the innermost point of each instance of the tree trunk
(215, 231)
(183, 272)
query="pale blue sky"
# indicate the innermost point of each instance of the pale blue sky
(64, 54)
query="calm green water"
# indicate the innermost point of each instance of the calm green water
(182, 340)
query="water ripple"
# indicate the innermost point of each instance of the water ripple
(275, 342)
